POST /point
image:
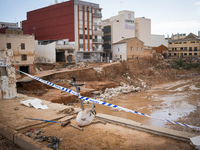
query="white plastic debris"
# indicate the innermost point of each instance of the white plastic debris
(36, 103)
(196, 142)
(84, 117)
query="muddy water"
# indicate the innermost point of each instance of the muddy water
(168, 101)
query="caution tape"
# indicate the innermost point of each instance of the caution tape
(100, 102)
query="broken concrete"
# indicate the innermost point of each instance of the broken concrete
(8, 76)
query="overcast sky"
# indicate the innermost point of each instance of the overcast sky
(167, 16)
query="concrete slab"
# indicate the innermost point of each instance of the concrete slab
(150, 129)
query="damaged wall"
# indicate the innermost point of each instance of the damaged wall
(7, 75)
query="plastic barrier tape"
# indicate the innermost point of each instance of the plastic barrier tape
(100, 102)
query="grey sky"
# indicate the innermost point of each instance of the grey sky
(167, 17)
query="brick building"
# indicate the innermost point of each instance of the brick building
(78, 21)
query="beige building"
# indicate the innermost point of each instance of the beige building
(185, 47)
(143, 30)
(124, 26)
(130, 48)
(117, 28)
(23, 47)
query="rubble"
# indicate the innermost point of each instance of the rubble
(98, 70)
(123, 89)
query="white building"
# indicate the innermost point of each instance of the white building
(157, 40)
(143, 30)
(117, 28)
(54, 51)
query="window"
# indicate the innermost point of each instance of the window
(137, 48)
(107, 38)
(22, 45)
(169, 54)
(185, 48)
(181, 48)
(192, 42)
(131, 48)
(190, 48)
(24, 57)
(185, 54)
(175, 48)
(174, 54)
(8, 45)
(184, 42)
(172, 48)
(190, 54)
(81, 36)
(120, 56)
(86, 36)
(180, 43)
(142, 48)
(195, 53)
(86, 55)
(195, 48)
(118, 50)
(70, 51)
(81, 45)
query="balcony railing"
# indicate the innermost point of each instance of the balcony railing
(99, 15)
(97, 41)
(97, 32)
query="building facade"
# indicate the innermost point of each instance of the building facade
(143, 30)
(130, 48)
(157, 40)
(124, 26)
(78, 21)
(23, 47)
(61, 51)
(185, 47)
(116, 29)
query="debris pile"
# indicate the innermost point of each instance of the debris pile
(123, 89)
(79, 65)
(98, 70)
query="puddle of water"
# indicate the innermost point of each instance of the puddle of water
(165, 103)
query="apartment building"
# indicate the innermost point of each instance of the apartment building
(125, 26)
(78, 21)
(188, 46)
(23, 47)
(117, 28)
(143, 30)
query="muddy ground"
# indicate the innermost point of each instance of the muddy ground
(155, 78)
(139, 73)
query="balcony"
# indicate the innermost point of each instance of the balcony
(97, 15)
(97, 24)
(97, 32)
(98, 49)
(97, 41)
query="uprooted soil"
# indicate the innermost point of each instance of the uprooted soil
(139, 73)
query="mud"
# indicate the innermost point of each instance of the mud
(166, 92)
(176, 101)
